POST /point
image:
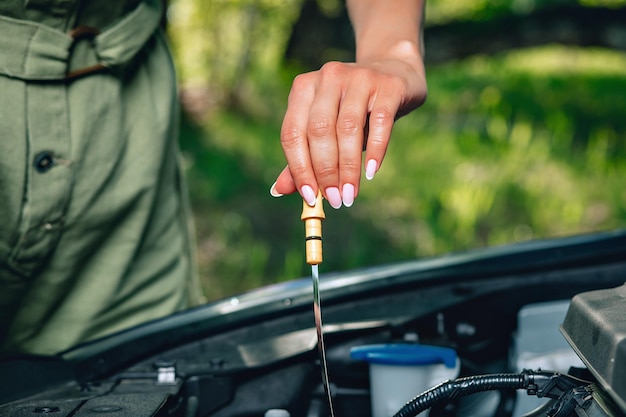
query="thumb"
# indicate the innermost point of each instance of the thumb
(284, 184)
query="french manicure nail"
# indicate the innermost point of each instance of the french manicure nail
(308, 195)
(333, 197)
(348, 195)
(273, 191)
(370, 169)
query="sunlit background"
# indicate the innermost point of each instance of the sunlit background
(522, 136)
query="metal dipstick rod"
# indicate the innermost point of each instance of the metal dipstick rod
(312, 217)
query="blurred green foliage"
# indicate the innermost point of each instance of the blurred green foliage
(525, 144)
(233, 49)
(442, 11)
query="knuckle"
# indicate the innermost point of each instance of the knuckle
(325, 171)
(301, 86)
(332, 69)
(376, 142)
(297, 170)
(290, 136)
(319, 127)
(349, 124)
(349, 165)
(381, 115)
(300, 82)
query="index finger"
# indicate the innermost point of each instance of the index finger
(293, 137)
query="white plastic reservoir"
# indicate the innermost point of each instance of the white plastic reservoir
(400, 372)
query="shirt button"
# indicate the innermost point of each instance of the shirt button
(43, 161)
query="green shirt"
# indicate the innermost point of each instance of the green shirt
(94, 223)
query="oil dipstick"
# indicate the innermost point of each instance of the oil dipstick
(312, 217)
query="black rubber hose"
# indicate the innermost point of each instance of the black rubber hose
(461, 387)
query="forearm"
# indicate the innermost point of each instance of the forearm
(387, 29)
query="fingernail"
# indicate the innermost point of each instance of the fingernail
(348, 195)
(333, 197)
(273, 191)
(308, 195)
(370, 169)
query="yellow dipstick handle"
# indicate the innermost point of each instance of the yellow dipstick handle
(312, 217)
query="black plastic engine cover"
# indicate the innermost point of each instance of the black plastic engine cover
(595, 327)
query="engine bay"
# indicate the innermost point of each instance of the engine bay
(501, 313)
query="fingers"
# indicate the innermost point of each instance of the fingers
(351, 121)
(322, 133)
(324, 130)
(294, 140)
(380, 125)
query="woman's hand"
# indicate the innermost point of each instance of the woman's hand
(343, 109)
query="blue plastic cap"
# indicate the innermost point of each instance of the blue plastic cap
(405, 354)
